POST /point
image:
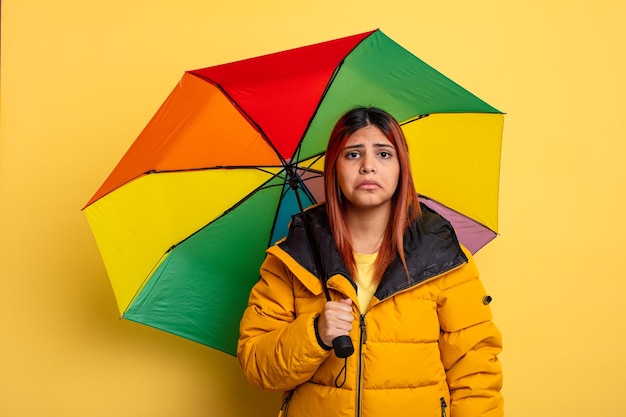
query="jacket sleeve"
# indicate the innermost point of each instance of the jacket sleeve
(469, 345)
(277, 349)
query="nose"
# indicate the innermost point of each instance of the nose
(367, 164)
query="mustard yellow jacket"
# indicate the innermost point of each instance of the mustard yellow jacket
(425, 346)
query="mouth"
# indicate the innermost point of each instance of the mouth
(368, 185)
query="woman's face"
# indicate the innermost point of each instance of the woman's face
(368, 169)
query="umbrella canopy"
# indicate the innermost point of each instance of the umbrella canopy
(183, 221)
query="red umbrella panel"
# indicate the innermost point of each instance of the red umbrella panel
(183, 221)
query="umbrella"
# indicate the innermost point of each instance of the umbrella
(183, 221)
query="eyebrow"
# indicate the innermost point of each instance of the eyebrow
(376, 145)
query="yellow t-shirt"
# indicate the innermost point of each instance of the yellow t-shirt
(365, 278)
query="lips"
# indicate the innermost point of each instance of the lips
(368, 185)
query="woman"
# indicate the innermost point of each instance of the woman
(403, 289)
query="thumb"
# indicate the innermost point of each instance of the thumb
(346, 301)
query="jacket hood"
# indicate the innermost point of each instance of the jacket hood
(430, 245)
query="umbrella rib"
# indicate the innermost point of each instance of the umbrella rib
(264, 168)
(318, 174)
(423, 197)
(317, 158)
(414, 119)
(324, 93)
(145, 280)
(243, 113)
(280, 199)
(263, 186)
(290, 182)
(421, 116)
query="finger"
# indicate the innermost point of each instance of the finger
(341, 305)
(335, 310)
(334, 321)
(329, 331)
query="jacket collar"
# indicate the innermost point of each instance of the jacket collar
(430, 245)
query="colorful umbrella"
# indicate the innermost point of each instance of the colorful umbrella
(183, 221)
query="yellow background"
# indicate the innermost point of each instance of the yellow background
(80, 79)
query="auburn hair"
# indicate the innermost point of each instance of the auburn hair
(405, 207)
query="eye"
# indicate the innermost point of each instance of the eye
(352, 155)
(385, 154)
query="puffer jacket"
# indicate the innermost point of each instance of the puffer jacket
(424, 347)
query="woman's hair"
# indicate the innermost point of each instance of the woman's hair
(405, 207)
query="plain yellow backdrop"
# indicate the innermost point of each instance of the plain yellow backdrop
(80, 79)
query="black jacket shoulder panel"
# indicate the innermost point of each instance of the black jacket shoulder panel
(315, 232)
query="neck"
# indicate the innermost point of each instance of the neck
(367, 228)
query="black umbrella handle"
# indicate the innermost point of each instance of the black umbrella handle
(342, 345)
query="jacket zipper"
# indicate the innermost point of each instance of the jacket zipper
(360, 368)
(443, 406)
